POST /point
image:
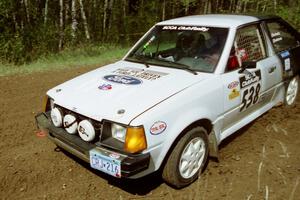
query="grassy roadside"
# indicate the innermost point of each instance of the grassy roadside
(87, 56)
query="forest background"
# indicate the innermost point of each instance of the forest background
(35, 29)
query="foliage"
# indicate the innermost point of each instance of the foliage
(88, 56)
(30, 29)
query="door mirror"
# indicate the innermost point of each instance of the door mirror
(247, 65)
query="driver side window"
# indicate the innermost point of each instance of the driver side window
(248, 47)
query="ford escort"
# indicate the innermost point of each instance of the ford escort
(183, 88)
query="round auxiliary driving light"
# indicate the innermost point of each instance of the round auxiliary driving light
(86, 130)
(70, 124)
(56, 117)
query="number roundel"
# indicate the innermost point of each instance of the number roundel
(257, 89)
(252, 98)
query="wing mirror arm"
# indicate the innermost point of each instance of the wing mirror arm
(247, 65)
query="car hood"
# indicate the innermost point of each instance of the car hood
(121, 91)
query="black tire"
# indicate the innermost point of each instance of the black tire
(293, 82)
(171, 172)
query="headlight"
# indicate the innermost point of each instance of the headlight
(56, 117)
(118, 132)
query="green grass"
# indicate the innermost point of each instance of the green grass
(69, 58)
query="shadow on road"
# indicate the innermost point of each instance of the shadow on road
(141, 186)
(145, 185)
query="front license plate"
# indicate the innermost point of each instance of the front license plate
(105, 164)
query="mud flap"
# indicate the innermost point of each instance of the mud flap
(42, 121)
(213, 146)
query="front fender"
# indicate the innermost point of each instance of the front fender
(202, 101)
(177, 130)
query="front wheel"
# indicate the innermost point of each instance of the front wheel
(187, 159)
(291, 91)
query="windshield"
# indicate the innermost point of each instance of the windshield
(189, 47)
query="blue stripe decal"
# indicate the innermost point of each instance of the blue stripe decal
(285, 54)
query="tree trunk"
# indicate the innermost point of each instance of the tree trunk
(205, 7)
(123, 39)
(15, 22)
(221, 5)
(67, 11)
(208, 6)
(275, 5)
(94, 21)
(217, 6)
(109, 16)
(231, 5)
(173, 8)
(187, 5)
(26, 11)
(104, 19)
(74, 21)
(164, 10)
(257, 6)
(245, 6)
(124, 10)
(264, 7)
(46, 12)
(61, 25)
(142, 8)
(85, 24)
(238, 7)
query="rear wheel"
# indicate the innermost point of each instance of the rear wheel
(187, 159)
(291, 91)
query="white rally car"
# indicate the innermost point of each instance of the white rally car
(184, 87)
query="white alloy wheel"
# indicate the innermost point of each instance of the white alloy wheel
(192, 157)
(187, 159)
(291, 91)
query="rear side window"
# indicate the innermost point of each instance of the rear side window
(281, 36)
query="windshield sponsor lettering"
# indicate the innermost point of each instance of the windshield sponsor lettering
(139, 73)
(186, 28)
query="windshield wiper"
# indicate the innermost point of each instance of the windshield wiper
(183, 66)
(140, 58)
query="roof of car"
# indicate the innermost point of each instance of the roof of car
(215, 20)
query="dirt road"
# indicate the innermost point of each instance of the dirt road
(261, 161)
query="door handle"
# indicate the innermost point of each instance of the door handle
(271, 69)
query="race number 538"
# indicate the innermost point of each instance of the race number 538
(250, 96)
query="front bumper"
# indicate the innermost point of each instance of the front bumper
(130, 164)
